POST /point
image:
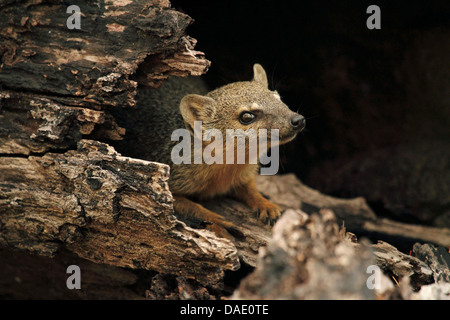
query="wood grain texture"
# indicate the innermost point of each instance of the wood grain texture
(105, 208)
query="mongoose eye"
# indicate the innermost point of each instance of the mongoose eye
(247, 117)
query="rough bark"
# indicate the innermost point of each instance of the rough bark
(355, 213)
(402, 265)
(57, 84)
(105, 208)
(309, 257)
(118, 211)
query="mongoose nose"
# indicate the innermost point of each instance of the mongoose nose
(298, 122)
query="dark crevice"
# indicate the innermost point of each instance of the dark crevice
(232, 279)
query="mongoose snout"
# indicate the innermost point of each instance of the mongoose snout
(298, 122)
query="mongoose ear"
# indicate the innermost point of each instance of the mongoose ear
(194, 107)
(259, 75)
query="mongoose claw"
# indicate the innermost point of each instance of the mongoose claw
(268, 212)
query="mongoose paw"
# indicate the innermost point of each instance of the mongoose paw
(268, 212)
(191, 212)
(225, 229)
(220, 230)
(222, 227)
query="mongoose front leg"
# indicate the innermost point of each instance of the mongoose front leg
(248, 194)
(218, 224)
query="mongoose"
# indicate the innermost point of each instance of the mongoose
(239, 105)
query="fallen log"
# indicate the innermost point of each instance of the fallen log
(355, 213)
(105, 208)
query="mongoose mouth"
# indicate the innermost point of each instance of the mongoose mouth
(288, 138)
(298, 123)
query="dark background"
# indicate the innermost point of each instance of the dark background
(377, 102)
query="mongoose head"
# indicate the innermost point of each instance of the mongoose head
(243, 105)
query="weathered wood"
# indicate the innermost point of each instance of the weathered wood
(438, 261)
(105, 208)
(118, 210)
(405, 231)
(311, 257)
(355, 213)
(308, 257)
(92, 66)
(58, 85)
(437, 258)
(402, 265)
(251, 233)
(164, 287)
